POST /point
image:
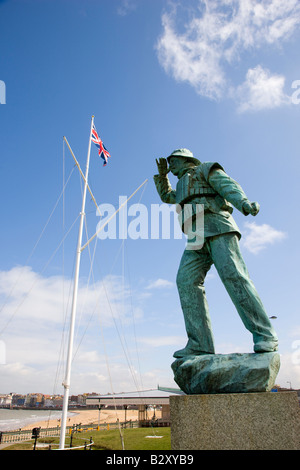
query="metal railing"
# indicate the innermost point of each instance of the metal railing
(26, 435)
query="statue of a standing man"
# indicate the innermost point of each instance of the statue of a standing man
(208, 184)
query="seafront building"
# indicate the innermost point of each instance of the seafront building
(39, 400)
(93, 400)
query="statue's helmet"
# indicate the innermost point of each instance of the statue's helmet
(184, 153)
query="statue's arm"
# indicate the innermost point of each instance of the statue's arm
(164, 189)
(162, 182)
(231, 191)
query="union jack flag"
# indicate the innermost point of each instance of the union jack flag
(103, 153)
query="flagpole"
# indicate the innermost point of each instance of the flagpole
(66, 382)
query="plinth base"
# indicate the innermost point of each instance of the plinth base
(237, 421)
(227, 373)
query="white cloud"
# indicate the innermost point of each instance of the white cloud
(261, 90)
(35, 336)
(257, 237)
(27, 297)
(194, 61)
(216, 35)
(160, 283)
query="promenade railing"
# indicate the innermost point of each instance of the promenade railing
(7, 437)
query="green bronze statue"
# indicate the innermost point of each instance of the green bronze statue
(208, 185)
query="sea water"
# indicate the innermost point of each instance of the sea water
(11, 420)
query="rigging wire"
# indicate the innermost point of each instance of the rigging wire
(122, 337)
(132, 311)
(122, 340)
(131, 300)
(37, 242)
(41, 272)
(33, 285)
(60, 361)
(91, 274)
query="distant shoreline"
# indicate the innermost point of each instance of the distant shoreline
(16, 419)
(85, 417)
(43, 408)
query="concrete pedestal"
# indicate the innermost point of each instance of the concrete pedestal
(235, 421)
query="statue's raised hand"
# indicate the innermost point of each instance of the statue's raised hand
(162, 166)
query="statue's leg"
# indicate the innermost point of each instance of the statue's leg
(190, 278)
(233, 272)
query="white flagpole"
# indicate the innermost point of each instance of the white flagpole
(66, 382)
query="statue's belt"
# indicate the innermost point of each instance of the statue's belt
(192, 197)
(202, 191)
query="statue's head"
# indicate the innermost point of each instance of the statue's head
(180, 159)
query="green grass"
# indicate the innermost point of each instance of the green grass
(134, 439)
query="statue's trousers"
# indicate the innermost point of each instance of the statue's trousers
(224, 252)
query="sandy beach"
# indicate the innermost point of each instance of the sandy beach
(91, 417)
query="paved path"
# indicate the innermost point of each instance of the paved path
(2, 446)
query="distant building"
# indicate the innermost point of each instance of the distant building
(18, 400)
(142, 399)
(5, 401)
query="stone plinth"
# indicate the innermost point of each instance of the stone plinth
(237, 421)
(227, 373)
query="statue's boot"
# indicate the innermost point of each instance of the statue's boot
(189, 350)
(265, 346)
(197, 322)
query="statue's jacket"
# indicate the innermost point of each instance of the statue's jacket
(208, 185)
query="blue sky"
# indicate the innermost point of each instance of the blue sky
(219, 78)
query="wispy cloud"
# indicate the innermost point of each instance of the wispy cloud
(160, 284)
(216, 35)
(258, 237)
(126, 7)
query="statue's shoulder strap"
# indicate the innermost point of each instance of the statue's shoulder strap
(206, 167)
